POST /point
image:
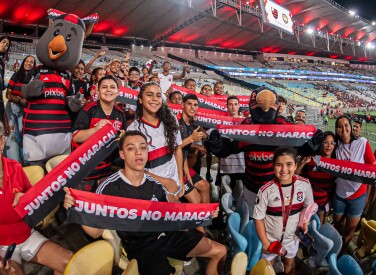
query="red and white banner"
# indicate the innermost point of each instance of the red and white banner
(177, 109)
(358, 172)
(213, 121)
(203, 101)
(243, 100)
(124, 214)
(267, 134)
(44, 196)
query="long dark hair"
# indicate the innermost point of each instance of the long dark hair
(5, 55)
(164, 114)
(21, 73)
(352, 137)
(329, 133)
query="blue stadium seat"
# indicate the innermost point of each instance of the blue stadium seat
(254, 248)
(331, 233)
(315, 218)
(243, 210)
(226, 184)
(239, 243)
(344, 266)
(227, 202)
(322, 245)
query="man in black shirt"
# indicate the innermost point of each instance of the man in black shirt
(190, 135)
(151, 249)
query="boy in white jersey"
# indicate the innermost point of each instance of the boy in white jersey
(278, 206)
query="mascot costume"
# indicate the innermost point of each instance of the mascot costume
(258, 158)
(48, 90)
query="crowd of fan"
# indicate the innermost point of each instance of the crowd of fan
(150, 130)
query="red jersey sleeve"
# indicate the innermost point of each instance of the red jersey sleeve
(369, 158)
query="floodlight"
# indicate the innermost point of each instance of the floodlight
(310, 30)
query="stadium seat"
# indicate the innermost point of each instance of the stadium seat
(34, 173)
(254, 247)
(120, 259)
(177, 264)
(315, 218)
(132, 268)
(322, 245)
(345, 265)
(239, 264)
(55, 161)
(262, 267)
(226, 184)
(331, 233)
(238, 190)
(243, 210)
(368, 238)
(227, 203)
(239, 243)
(95, 259)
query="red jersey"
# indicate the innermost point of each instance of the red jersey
(13, 229)
(323, 184)
(15, 86)
(88, 118)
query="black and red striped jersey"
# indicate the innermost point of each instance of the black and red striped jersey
(323, 184)
(258, 161)
(15, 86)
(48, 113)
(88, 118)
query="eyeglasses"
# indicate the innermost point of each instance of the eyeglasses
(134, 74)
(331, 143)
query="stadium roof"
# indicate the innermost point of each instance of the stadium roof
(198, 22)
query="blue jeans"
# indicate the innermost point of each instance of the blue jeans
(353, 208)
(13, 145)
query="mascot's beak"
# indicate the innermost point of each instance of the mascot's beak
(265, 100)
(57, 47)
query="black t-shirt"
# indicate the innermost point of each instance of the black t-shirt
(150, 190)
(185, 130)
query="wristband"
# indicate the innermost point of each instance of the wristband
(172, 193)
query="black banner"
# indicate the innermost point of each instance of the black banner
(269, 134)
(354, 171)
(124, 214)
(43, 197)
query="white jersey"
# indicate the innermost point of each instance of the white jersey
(358, 151)
(233, 164)
(160, 162)
(268, 207)
(165, 81)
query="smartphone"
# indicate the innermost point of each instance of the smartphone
(9, 253)
(305, 239)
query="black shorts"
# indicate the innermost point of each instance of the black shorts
(188, 187)
(152, 258)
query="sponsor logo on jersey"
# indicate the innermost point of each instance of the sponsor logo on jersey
(53, 92)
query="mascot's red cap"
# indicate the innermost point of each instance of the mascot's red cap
(72, 18)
